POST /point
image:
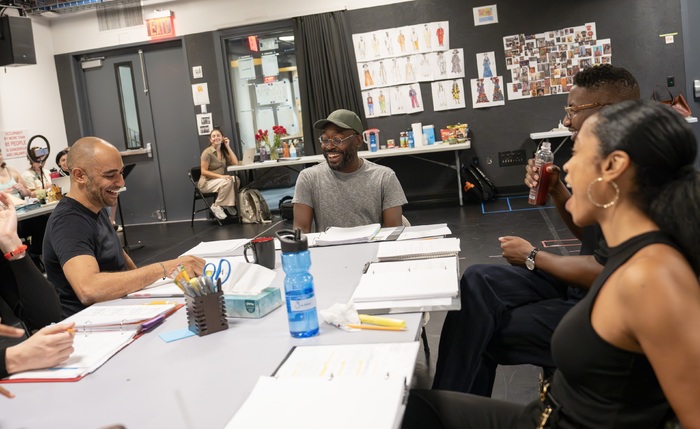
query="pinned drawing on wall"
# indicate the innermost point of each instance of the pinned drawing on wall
(455, 68)
(487, 92)
(486, 64)
(545, 63)
(406, 99)
(485, 15)
(377, 102)
(448, 94)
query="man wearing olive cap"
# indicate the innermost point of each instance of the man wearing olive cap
(345, 190)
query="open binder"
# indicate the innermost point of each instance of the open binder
(101, 332)
(350, 386)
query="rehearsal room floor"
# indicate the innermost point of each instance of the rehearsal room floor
(477, 226)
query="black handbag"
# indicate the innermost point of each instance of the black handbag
(286, 208)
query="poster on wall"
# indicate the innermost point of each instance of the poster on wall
(448, 94)
(269, 64)
(487, 92)
(545, 63)
(485, 15)
(204, 124)
(14, 144)
(200, 94)
(246, 67)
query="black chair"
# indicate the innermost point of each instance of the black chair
(194, 174)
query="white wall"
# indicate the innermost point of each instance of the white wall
(191, 16)
(29, 98)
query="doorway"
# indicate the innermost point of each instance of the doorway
(140, 101)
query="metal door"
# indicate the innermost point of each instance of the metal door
(157, 188)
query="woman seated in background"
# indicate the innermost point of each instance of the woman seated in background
(36, 177)
(62, 162)
(627, 353)
(29, 302)
(213, 162)
(11, 181)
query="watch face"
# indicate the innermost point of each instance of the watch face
(530, 264)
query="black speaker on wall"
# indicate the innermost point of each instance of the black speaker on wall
(16, 41)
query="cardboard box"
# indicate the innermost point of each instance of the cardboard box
(253, 306)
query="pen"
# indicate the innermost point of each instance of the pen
(375, 327)
(6, 393)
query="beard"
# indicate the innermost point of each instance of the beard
(347, 156)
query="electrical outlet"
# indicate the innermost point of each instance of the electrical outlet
(513, 157)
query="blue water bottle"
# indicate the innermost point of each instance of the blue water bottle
(298, 284)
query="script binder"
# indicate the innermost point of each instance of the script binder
(408, 280)
(99, 336)
(350, 386)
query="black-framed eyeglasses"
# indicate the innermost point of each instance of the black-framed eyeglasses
(336, 141)
(572, 110)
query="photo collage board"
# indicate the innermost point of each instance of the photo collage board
(392, 62)
(545, 63)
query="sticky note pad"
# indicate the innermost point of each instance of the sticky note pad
(176, 335)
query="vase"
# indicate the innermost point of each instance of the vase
(274, 154)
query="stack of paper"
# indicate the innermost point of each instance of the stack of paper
(336, 235)
(162, 288)
(350, 386)
(117, 317)
(212, 249)
(425, 231)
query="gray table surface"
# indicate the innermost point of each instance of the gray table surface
(198, 382)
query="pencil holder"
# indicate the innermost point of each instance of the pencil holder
(206, 314)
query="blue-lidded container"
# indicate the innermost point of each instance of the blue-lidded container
(298, 284)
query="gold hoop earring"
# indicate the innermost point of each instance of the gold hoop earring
(606, 205)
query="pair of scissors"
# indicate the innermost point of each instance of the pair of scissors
(222, 271)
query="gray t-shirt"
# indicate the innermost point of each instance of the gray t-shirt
(348, 199)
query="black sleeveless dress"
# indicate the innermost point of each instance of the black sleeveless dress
(597, 384)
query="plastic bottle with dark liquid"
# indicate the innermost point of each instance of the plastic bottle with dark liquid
(543, 159)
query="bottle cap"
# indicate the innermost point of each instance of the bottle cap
(546, 145)
(292, 240)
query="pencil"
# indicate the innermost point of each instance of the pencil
(6, 393)
(375, 327)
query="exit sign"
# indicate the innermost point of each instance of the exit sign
(160, 24)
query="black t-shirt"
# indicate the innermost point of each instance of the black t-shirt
(74, 230)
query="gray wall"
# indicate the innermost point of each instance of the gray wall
(632, 25)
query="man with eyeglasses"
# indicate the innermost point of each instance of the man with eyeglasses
(346, 190)
(509, 312)
(82, 254)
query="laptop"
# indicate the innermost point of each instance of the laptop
(63, 183)
(248, 156)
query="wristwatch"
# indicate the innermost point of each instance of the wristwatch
(530, 261)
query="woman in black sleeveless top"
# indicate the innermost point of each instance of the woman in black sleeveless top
(628, 353)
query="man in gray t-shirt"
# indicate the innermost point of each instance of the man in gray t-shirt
(346, 190)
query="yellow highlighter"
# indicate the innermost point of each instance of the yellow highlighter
(382, 321)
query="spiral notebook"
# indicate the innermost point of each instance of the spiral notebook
(417, 249)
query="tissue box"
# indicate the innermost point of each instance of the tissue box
(253, 306)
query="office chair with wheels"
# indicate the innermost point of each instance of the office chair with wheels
(194, 174)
